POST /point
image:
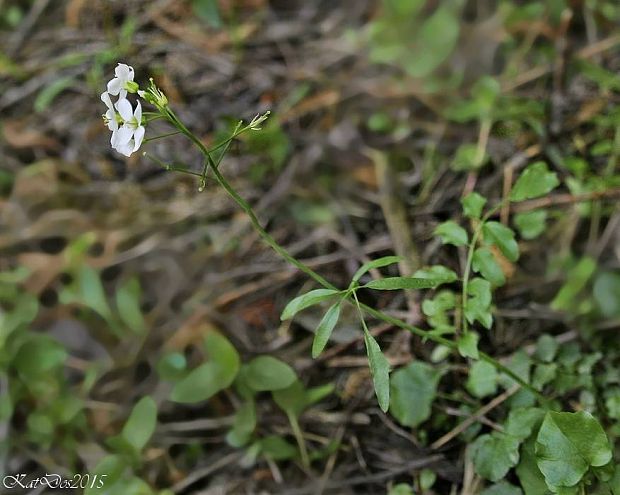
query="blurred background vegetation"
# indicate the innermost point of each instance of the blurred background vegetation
(126, 296)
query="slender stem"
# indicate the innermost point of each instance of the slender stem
(245, 206)
(161, 136)
(468, 263)
(299, 437)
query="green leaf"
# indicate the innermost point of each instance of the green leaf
(522, 421)
(266, 373)
(478, 304)
(535, 181)
(378, 263)
(451, 232)
(436, 39)
(576, 279)
(502, 488)
(243, 425)
(128, 305)
(567, 445)
(211, 377)
(468, 345)
(208, 11)
(468, 157)
(504, 238)
(482, 380)
(324, 330)
(92, 293)
(47, 95)
(141, 423)
(38, 357)
(276, 448)
(379, 369)
(439, 273)
(473, 204)
(495, 454)
(531, 224)
(413, 390)
(546, 348)
(171, 366)
(531, 479)
(395, 283)
(305, 301)
(606, 293)
(291, 399)
(484, 263)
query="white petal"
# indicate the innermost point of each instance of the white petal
(122, 71)
(138, 136)
(125, 149)
(114, 86)
(122, 94)
(110, 115)
(105, 98)
(124, 108)
(123, 135)
(138, 113)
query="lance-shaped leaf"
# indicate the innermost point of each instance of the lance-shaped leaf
(378, 263)
(305, 301)
(395, 283)
(380, 370)
(325, 328)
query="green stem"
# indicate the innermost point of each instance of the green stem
(322, 281)
(468, 263)
(299, 437)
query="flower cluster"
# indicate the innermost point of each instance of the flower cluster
(120, 117)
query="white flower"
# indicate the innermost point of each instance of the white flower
(118, 86)
(128, 138)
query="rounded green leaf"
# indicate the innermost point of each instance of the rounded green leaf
(535, 181)
(413, 390)
(451, 232)
(268, 373)
(504, 238)
(484, 263)
(568, 444)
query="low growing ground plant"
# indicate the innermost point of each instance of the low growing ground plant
(550, 450)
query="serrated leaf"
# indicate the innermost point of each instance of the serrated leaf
(324, 330)
(495, 454)
(141, 423)
(485, 263)
(378, 263)
(535, 181)
(266, 373)
(473, 204)
(482, 379)
(504, 238)
(451, 232)
(468, 345)
(395, 283)
(305, 301)
(567, 445)
(413, 390)
(379, 369)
